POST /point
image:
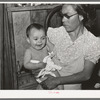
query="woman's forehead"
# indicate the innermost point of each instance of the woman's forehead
(68, 8)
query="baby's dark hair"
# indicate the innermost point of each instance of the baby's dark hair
(34, 25)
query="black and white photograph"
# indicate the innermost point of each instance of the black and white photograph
(50, 47)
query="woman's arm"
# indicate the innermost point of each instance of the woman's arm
(76, 78)
(80, 76)
(60, 87)
(29, 65)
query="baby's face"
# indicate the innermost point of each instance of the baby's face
(37, 39)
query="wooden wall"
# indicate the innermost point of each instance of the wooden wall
(1, 41)
(21, 19)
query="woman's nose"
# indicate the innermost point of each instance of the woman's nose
(64, 19)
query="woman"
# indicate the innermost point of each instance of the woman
(76, 47)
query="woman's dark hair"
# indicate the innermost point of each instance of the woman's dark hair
(88, 12)
(34, 25)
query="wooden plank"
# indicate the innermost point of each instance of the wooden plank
(55, 20)
(26, 81)
(1, 45)
(8, 82)
(42, 7)
(13, 54)
(38, 16)
(20, 21)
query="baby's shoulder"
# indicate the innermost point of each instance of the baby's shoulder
(46, 49)
(28, 51)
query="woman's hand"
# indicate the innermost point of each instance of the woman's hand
(50, 83)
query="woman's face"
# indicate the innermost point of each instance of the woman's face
(71, 20)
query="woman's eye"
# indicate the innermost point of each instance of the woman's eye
(35, 39)
(43, 38)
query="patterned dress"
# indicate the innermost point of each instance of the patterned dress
(73, 54)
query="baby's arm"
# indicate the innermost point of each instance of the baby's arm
(60, 87)
(29, 65)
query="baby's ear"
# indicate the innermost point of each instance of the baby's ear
(28, 40)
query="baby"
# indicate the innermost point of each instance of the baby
(37, 57)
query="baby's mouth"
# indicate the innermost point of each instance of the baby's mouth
(39, 44)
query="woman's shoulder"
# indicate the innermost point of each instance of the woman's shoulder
(92, 47)
(54, 33)
(92, 41)
(91, 38)
(56, 30)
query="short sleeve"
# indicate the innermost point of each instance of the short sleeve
(93, 50)
(51, 33)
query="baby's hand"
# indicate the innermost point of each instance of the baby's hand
(43, 65)
(39, 80)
